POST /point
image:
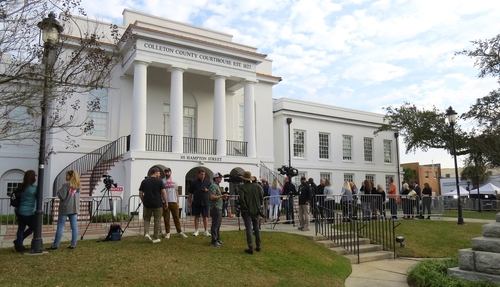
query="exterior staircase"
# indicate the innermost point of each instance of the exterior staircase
(367, 251)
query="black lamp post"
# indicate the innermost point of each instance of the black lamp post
(288, 122)
(476, 155)
(452, 118)
(50, 32)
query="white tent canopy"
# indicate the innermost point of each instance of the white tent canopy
(488, 188)
(463, 192)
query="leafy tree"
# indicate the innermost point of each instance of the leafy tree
(81, 61)
(424, 129)
(410, 174)
(475, 174)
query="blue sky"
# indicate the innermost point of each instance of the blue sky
(357, 54)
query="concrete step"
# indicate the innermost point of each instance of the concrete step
(365, 248)
(370, 256)
(339, 250)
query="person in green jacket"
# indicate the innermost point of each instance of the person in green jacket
(250, 198)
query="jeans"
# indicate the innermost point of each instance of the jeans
(251, 221)
(61, 222)
(157, 213)
(216, 215)
(22, 222)
(174, 208)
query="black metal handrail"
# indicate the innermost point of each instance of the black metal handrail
(88, 162)
(162, 143)
(199, 146)
(236, 148)
(110, 155)
(342, 222)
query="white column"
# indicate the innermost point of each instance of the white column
(249, 119)
(220, 113)
(176, 108)
(139, 106)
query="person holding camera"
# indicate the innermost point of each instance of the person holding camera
(251, 199)
(154, 196)
(199, 201)
(216, 198)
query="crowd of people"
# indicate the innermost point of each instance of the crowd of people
(257, 201)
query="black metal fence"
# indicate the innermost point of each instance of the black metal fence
(200, 146)
(236, 148)
(162, 143)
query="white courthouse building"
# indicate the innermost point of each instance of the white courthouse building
(186, 97)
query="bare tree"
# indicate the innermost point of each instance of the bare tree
(81, 61)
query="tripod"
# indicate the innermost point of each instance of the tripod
(105, 191)
(132, 214)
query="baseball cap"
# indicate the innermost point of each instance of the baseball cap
(167, 169)
(217, 174)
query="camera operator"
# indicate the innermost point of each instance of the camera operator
(265, 186)
(250, 200)
(288, 190)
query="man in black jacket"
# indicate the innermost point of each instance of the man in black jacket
(288, 189)
(417, 189)
(305, 196)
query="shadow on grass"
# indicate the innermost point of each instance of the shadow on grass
(285, 260)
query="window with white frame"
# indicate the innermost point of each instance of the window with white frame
(426, 174)
(387, 182)
(368, 149)
(241, 123)
(387, 151)
(299, 143)
(370, 177)
(98, 98)
(324, 145)
(349, 177)
(11, 186)
(325, 175)
(189, 119)
(346, 147)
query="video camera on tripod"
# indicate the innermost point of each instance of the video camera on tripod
(108, 181)
(232, 178)
(288, 171)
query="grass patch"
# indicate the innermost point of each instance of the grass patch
(471, 214)
(285, 260)
(433, 273)
(436, 238)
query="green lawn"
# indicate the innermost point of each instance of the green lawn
(471, 214)
(285, 260)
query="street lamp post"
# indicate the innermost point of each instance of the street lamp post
(288, 122)
(51, 29)
(452, 117)
(476, 155)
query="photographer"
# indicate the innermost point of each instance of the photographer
(250, 200)
(290, 191)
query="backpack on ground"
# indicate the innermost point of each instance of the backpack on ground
(15, 198)
(115, 232)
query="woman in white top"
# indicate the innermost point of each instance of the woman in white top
(275, 200)
(329, 199)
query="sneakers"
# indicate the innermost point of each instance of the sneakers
(206, 233)
(167, 235)
(305, 229)
(156, 240)
(216, 244)
(195, 233)
(220, 242)
(249, 251)
(181, 234)
(258, 249)
(148, 237)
